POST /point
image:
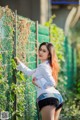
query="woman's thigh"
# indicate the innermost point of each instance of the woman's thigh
(57, 114)
(48, 112)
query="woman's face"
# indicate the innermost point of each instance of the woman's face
(43, 53)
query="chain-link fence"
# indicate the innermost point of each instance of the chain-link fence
(21, 37)
(18, 37)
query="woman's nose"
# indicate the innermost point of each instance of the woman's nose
(41, 53)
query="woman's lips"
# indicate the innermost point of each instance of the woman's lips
(40, 55)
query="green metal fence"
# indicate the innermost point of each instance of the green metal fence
(19, 37)
(70, 63)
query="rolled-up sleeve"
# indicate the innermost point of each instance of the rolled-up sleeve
(27, 71)
(47, 74)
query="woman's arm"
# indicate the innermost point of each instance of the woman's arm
(22, 67)
(27, 71)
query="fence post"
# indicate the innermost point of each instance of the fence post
(14, 71)
(37, 59)
(37, 43)
(15, 38)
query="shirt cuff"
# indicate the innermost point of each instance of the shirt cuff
(21, 66)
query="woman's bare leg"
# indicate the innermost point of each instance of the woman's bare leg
(57, 114)
(48, 113)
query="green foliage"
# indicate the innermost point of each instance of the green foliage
(71, 109)
(57, 38)
(71, 105)
(12, 82)
(19, 89)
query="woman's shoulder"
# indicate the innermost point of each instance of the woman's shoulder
(45, 68)
(45, 65)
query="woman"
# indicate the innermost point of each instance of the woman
(45, 78)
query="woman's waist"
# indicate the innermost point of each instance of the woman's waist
(48, 90)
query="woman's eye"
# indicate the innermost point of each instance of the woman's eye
(44, 51)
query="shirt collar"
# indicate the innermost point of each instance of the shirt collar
(45, 62)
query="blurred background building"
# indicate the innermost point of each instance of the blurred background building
(33, 9)
(61, 8)
(41, 10)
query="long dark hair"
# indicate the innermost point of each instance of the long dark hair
(52, 58)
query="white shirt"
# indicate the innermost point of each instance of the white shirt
(43, 75)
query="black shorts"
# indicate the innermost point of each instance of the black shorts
(49, 101)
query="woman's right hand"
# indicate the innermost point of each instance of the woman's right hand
(17, 60)
(33, 81)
